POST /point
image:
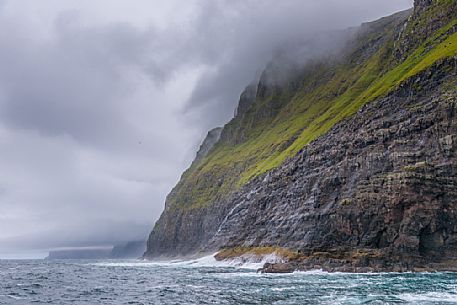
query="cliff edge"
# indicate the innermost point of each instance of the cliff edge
(349, 163)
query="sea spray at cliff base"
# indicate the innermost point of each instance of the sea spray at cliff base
(251, 262)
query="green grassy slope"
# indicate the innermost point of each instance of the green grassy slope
(278, 125)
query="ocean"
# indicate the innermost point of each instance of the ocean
(205, 281)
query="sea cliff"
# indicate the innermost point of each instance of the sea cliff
(348, 162)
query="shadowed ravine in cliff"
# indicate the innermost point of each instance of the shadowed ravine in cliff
(348, 166)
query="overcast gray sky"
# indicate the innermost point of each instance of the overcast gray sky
(104, 102)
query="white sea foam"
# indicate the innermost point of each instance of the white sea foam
(311, 272)
(251, 261)
(245, 261)
(429, 297)
(229, 275)
(200, 262)
(280, 289)
(210, 261)
(15, 297)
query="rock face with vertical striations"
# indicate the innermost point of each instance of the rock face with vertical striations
(351, 164)
(392, 187)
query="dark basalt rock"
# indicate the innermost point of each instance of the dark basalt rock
(428, 16)
(385, 179)
(189, 222)
(278, 268)
(378, 192)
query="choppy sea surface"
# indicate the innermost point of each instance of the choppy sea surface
(204, 281)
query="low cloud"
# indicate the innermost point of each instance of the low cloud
(103, 103)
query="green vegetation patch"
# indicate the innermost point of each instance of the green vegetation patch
(303, 111)
(352, 100)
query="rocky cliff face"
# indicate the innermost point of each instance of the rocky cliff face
(208, 143)
(359, 155)
(385, 179)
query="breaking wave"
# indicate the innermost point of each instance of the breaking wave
(245, 261)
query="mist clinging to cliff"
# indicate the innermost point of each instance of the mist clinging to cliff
(246, 36)
(103, 103)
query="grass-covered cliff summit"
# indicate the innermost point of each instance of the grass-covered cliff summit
(292, 105)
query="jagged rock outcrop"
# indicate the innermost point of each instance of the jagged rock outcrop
(373, 183)
(211, 139)
(247, 98)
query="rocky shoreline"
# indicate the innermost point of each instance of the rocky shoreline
(336, 260)
(364, 264)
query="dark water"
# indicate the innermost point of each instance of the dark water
(131, 282)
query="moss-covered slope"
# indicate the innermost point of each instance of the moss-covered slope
(287, 117)
(280, 118)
